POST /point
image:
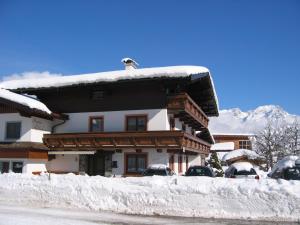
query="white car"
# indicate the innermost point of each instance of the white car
(241, 170)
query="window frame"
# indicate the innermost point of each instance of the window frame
(91, 118)
(6, 125)
(145, 155)
(136, 116)
(245, 144)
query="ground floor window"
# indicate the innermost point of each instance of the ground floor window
(11, 166)
(135, 163)
(4, 167)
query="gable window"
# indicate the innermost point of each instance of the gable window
(136, 123)
(13, 130)
(96, 124)
(135, 163)
(245, 144)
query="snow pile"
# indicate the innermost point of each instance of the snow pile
(242, 166)
(23, 100)
(249, 154)
(195, 72)
(236, 121)
(266, 199)
(157, 166)
(222, 146)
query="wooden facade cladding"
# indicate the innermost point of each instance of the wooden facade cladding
(183, 107)
(120, 140)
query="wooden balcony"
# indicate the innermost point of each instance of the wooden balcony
(184, 108)
(123, 140)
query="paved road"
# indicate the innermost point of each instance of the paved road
(11, 215)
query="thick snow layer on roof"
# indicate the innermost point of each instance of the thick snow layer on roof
(172, 71)
(288, 161)
(23, 100)
(264, 199)
(240, 152)
(242, 166)
(196, 72)
(223, 146)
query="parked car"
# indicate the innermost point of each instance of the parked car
(199, 171)
(287, 168)
(158, 170)
(241, 170)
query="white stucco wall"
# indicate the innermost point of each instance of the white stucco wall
(32, 128)
(26, 124)
(29, 165)
(114, 120)
(64, 163)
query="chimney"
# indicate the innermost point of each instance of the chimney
(129, 63)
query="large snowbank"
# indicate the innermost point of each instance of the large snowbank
(23, 100)
(240, 152)
(266, 199)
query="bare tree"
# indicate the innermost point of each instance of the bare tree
(270, 143)
(293, 132)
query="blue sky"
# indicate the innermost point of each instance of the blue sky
(251, 47)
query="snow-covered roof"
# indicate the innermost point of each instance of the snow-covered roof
(240, 152)
(23, 100)
(223, 146)
(233, 134)
(195, 72)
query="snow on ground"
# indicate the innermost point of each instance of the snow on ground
(240, 152)
(266, 199)
(23, 100)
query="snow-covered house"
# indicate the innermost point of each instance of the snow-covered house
(23, 121)
(120, 122)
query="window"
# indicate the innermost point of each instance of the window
(97, 95)
(245, 144)
(4, 167)
(17, 167)
(96, 124)
(136, 123)
(136, 163)
(183, 127)
(172, 123)
(13, 130)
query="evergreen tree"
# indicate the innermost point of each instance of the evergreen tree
(215, 163)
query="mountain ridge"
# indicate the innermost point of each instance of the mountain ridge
(237, 121)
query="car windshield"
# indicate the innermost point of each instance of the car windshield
(292, 173)
(199, 171)
(152, 172)
(245, 172)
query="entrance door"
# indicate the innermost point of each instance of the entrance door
(99, 163)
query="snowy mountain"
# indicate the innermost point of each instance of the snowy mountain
(236, 121)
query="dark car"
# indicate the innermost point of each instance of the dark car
(243, 170)
(158, 170)
(199, 171)
(289, 172)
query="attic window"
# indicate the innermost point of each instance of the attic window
(97, 95)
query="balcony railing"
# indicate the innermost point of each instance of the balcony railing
(120, 140)
(187, 111)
